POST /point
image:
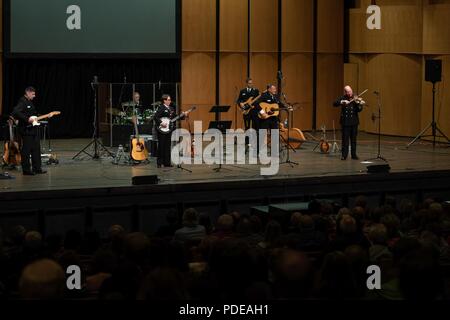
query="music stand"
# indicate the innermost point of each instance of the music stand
(218, 110)
(223, 126)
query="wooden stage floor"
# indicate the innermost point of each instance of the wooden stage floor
(86, 173)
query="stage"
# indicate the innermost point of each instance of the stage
(84, 173)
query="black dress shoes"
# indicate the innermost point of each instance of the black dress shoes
(28, 173)
(343, 158)
(40, 172)
(355, 158)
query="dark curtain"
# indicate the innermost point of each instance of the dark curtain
(65, 85)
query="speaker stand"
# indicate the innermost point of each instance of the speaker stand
(433, 126)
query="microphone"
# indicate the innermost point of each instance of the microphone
(124, 78)
(376, 92)
(159, 85)
(374, 117)
(280, 74)
(95, 81)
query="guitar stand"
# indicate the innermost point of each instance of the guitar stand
(119, 154)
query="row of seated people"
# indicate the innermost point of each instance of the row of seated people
(323, 254)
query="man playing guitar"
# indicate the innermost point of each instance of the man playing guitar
(26, 113)
(245, 101)
(268, 119)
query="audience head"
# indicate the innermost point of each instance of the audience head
(190, 217)
(42, 279)
(225, 223)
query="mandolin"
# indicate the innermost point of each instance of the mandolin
(11, 155)
(138, 150)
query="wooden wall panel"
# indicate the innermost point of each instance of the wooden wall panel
(442, 99)
(298, 87)
(233, 26)
(436, 29)
(233, 72)
(297, 25)
(398, 78)
(263, 69)
(330, 26)
(401, 30)
(199, 25)
(264, 26)
(330, 79)
(198, 83)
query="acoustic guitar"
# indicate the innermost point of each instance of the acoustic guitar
(270, 109)
(247, 106)
(138, 150)
(11, 155)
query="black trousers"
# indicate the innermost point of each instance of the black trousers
(31, 147)
(269, 123)
(349, 135)
(251, 120)
(164, 149)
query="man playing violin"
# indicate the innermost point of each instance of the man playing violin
(351, 105)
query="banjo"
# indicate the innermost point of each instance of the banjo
(166, 123)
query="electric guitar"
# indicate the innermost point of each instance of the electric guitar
(247, 106)
(138, 150)
(166, 123)
(36, 119)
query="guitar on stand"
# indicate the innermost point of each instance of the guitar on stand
(11, 154)
(138, 150)
(323, 145)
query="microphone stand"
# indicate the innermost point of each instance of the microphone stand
(379, 157)
(95, 142)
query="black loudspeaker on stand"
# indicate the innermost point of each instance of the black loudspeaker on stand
(433, 73)
(95, 142)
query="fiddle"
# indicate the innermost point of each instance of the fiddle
(356, 99)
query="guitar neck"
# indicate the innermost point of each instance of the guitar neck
(45, 116)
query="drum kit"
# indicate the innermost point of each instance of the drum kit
(144, 115)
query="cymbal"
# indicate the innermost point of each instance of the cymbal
(114, 112)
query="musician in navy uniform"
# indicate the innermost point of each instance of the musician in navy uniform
(351, 106)
(270, 96)
(165, 110)
(251, 119)
(31, 146)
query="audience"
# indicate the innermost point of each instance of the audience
(322, 253)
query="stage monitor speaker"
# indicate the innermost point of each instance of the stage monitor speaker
(379, 168)
(143, 180)
(433, 70)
